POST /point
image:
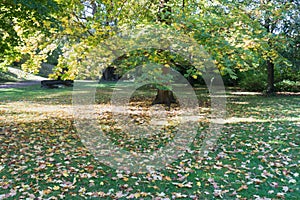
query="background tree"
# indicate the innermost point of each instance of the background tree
(25, 29)
(272, 40)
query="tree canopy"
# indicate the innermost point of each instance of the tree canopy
(260, 35)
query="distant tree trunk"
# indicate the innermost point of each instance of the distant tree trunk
(270, 27)
(270, 68)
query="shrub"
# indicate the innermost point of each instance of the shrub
(287, 74)
(288, 86)
(253, 82)
(8, 77)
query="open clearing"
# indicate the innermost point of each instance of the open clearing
(42, 156)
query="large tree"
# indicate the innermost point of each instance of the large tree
(239, 35)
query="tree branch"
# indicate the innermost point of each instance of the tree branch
(82, 25)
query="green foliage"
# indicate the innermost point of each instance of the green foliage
(154, 59)
(287, 74)
(8, 77)
(286, 80)
(24, 28)
(253, 82)
(239, 36)
(229, 81)
(288, 86)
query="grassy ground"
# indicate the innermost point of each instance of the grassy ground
(42, 156)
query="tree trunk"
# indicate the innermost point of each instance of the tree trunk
(164, 97)
(109, 74)
(270, 67)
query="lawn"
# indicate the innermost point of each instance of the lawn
(42, 156)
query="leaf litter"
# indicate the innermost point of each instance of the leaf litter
(42, 157)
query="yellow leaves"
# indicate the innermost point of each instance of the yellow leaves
(263, 160)
(5, 35)
(35, 21)
(258, 31)
(65, 173)
(137, 195)
(65, 20)
(46, 191)
(143, 194)
(178, 26)
(167, 178)
(155, 187)
(125, 179)
(82, 190)
(243, 187)
(68, 31)
(55, 188)
(46, 23)
(198, 183)
(49, 150)
(273, 54)
(138, 183)
(50, 165)
(19, 30)
(179, 184)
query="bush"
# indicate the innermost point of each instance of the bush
(287, 74)
(8, 77)
(228, 81)
(253, 82)
(288, 86)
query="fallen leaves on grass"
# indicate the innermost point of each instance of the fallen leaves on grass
(45, 159)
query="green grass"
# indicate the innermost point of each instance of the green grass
(33, 93)
(41, 154)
